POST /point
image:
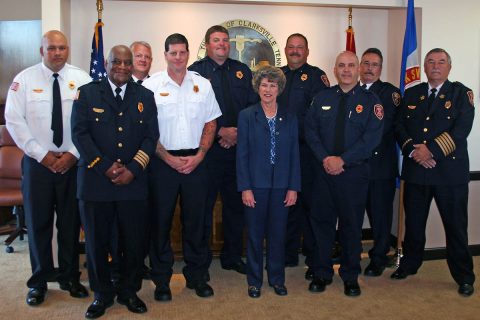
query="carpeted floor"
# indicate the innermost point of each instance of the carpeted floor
(431, 294)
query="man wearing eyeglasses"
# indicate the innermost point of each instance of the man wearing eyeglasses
(38, 109)
(383, 163)
(114, 127)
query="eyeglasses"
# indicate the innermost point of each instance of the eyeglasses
(118, 62)
(371, 64)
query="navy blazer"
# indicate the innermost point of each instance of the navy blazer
(104, 132)
(254, 170)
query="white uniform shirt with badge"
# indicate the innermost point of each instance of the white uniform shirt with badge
(182, 110)
(28, 110)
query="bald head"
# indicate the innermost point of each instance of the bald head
(119, 65)
(346, 70)
(54, 50)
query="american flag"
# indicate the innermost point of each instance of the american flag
(97, 61)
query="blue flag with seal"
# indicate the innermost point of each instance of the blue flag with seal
(410, 69)
(97, 61)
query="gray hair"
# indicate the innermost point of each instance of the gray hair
(273, 74)
(141, 43)
(439, 50)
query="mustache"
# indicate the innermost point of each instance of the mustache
(294, 54)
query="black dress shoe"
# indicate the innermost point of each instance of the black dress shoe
(240, 267)
(351, 288)
(280, 289)
(401, 274)
(163, 293)
(134, 304)
(373, 270)
(97, 308)
(254, 292)
(202, 289)
(319, 284)
(35, 296)
(465, 289)
(76, 289)
(309, 274)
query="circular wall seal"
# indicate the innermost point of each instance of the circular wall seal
(250, 43)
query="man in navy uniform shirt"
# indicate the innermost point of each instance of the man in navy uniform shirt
(432, 129)
(232, 83)
(115, 129)
(383, 163)
(343, 126)
(304, 81)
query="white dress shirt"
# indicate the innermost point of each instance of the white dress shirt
(182, 110)
(28, 110)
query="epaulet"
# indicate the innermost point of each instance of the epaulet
(96, 81)
(195, 73)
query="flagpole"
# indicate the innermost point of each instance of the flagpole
(99, 9)
(400, 226)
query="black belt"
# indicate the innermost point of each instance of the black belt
(183, 152)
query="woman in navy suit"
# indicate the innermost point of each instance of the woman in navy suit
(268, 175)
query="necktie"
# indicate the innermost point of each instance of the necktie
(57, 122)
(339, 138)
(139, 81)
(430, 99)
(284, 98)
(118, 97)
(364, 86)
(230, 112)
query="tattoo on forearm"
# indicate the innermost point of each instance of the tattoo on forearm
(208, 136)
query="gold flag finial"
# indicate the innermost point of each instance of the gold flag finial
(99, 8)
(350, 16)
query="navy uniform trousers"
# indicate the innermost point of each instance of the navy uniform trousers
(268, 220)
(166, 185)
(221, 166)
(44, 194)
(339, 197)
(129, 219)
(452, 202)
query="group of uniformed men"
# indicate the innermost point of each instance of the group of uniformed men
(142, 142)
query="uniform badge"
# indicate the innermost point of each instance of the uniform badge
(442, 96)
(378, 110)
(326, 107)
(71, 85)
(239, 74)
(422, 97)
(359, 108)
(97, 110)
(77, 95)
(304, 77)
(470, 97)
(448, 104)
(140, 107)
(38, 90)
(164, 94)
(195, 89)
(325, 80)
(14, 86)
(396, 99)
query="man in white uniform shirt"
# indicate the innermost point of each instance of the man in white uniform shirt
(38, 110)
(187, 110)
(142, 60)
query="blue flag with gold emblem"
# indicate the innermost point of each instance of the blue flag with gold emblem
(97, 61)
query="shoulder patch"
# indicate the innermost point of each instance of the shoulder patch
(325, 80)
(396, 99)
(239, 74)
(378, 110)
(470, 97)
(14, 86)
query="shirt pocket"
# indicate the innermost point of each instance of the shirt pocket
(39, 105)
